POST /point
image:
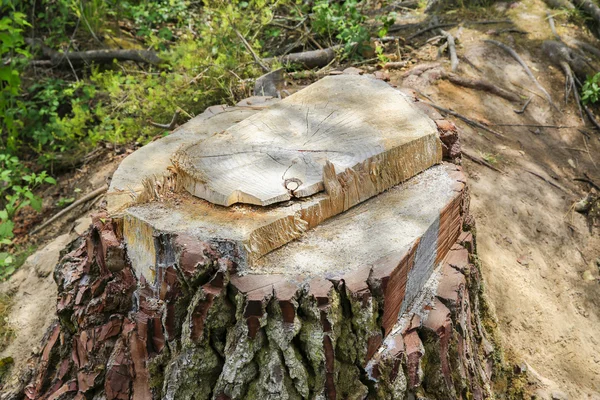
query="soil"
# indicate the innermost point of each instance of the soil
(538, 255)
(534, 249)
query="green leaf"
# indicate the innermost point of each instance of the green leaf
(36, 203)
(6, 229)
(50, 180)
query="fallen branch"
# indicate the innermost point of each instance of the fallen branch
(451, 50)
(522, 110)
(170, 126)
(525, 67)
(465, 119)
(480, 84)
(87, 197)
(91, 56)
(249, 48)
(309, 59)
(480, 161)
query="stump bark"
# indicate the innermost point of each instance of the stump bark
(373, 297)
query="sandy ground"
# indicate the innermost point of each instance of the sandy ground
(534, 250)
(32, 288)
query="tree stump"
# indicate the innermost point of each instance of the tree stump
(222, 281)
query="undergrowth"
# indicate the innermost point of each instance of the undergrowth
(52, 116)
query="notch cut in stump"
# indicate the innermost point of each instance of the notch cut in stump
(352, 122)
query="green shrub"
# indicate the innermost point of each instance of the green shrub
(342, 21)
(590, 91)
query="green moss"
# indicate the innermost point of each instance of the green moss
(5, 367)
(348, 382)
(6, 331)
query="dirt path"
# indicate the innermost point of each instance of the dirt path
(533, 250)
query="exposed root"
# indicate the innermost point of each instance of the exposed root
(590, 8)
(451, 50)
(518, 58)
(570, 83)
(467, 120)
(522, 110)
(480, 84)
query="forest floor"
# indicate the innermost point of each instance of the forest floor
(538, 256)
(534, 249)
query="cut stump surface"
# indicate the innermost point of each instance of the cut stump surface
(279, 153)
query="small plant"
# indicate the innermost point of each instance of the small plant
(490, 158)
(12, 55)
(590, 92)
(342, 21)
(16, 188)
(381, 57)
(64, 201)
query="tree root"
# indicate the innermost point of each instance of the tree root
(590, 8)
(451, 50)
(518, 58)
(548, 181)
(480, 84)
(465, 119)
(522, 110)
(476, 84)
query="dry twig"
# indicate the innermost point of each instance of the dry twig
(87, 197)
(549, 182)
(170, 126)
(249, 48)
